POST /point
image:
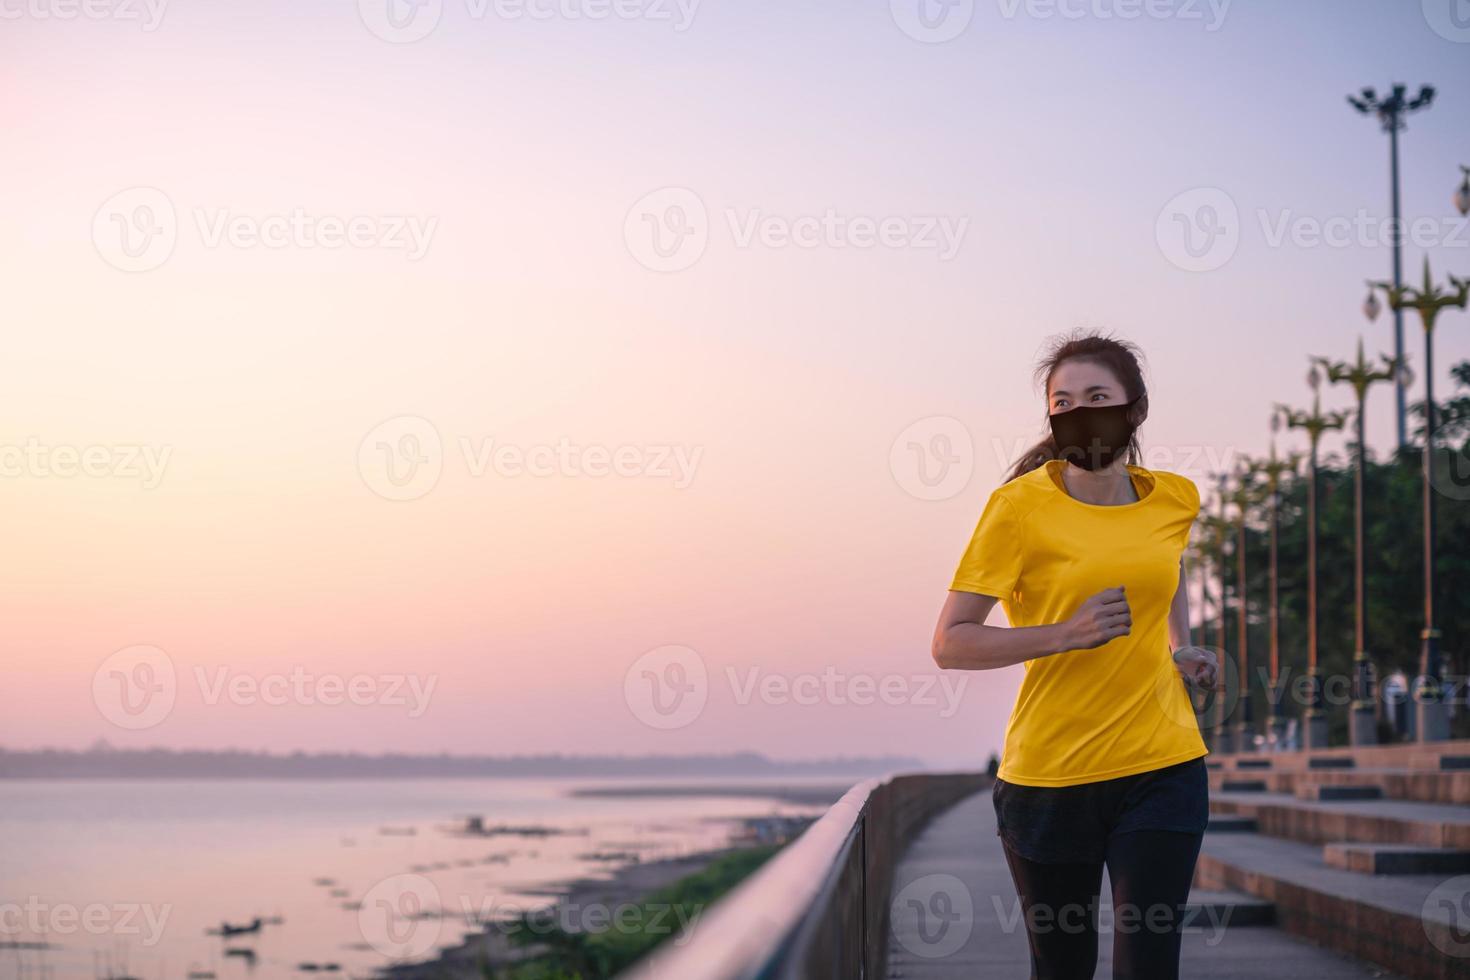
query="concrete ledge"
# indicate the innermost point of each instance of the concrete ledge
(1243, 786)
(1328, 791)
(1365, 822)
(1396, 859)
(1229, 907)
(1222, 824)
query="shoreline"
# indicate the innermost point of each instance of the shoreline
(823, 795)
(628, 884)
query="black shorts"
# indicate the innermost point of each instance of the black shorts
(1063, 824)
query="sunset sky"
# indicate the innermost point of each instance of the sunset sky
(659, 303)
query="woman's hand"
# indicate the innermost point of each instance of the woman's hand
(1101, 618)
(1199, 667)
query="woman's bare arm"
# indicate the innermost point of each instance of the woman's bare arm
(1197, 665)
(962, 641)
(1179, 614)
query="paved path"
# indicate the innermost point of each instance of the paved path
(956, 864)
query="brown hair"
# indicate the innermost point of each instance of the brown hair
(1122, 358)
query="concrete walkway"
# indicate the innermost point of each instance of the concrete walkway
(955, 913)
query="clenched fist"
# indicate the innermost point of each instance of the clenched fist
(1101, 618)
(1199, 667)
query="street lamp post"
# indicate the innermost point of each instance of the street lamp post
(1391, 111)
(1430, 301)
(1272, 469)
(1361, 375)
(1242, 498)
(1199, 552)
(1220, 536)
(1314, 727)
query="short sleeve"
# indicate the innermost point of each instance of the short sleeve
(992, 563)
(1189, 493)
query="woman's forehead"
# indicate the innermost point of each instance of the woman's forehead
(1077, 376)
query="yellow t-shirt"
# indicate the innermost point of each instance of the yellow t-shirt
(1118, 709)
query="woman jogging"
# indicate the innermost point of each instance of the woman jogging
(1103, 761)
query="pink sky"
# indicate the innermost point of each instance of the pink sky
(792, 551)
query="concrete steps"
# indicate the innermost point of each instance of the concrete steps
(1412, 924)
(1209, 908)
(1396, 859)
(1224, 824)
(1337, 791)
(1420, 785)
(1243, 785)
(1364, 822)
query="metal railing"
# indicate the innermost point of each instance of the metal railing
(819, 908)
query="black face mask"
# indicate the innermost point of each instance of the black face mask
(1093, 436)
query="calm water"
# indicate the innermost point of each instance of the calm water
(126, 877)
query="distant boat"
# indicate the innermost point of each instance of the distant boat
(225, 929)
